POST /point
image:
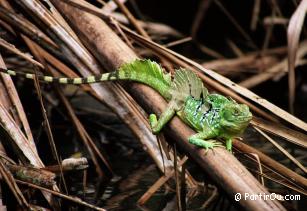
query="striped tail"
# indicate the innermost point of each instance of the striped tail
(143, 71)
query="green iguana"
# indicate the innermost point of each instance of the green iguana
(211, 115)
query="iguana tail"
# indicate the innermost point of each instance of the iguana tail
(143, 71)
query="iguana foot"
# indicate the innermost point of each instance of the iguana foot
(153, 123)
(205, 144)
(229, 145)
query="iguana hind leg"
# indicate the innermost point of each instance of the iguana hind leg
(157, 125)
(199, 139)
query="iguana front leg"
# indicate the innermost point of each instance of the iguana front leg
(198, 139)
(157, 125)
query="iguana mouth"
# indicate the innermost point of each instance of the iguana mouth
(245, 118)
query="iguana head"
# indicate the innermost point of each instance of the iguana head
(235, 118)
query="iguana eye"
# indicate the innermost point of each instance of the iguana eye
(236, 112)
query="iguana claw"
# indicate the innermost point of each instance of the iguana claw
(153, 120)
(205, 144)
(153, 123)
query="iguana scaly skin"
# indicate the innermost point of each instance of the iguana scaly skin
(211, 115)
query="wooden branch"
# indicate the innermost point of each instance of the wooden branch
(222, 166)
(276, 166)
(10, 100)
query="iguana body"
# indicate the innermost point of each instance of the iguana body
(211, 115)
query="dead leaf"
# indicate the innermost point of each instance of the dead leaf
(293, 33)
